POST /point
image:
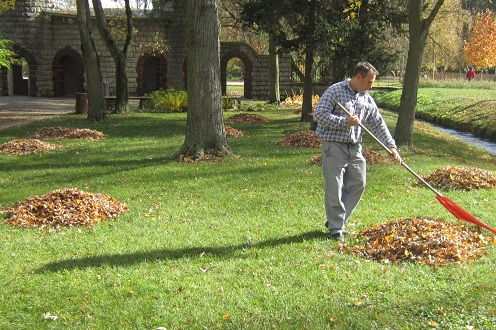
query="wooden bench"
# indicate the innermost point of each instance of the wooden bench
(111, 101)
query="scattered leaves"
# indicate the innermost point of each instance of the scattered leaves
(304, 139)
(68, 133)
(461, 178)
(232, 132)
(247, 118)
(27, 146)
(64, 208)
(428, 241)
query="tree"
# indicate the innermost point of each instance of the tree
(234, 29)
(480, 50)
(96, 99)
(444, 45)
(205, 131)
(418, 28)
(7, 55)
(119, 56)
(292, 24)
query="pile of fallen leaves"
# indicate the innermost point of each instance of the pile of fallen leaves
(297, 100)
(64, 208)
(371, 156)
(27, 146)
(247, 118)
(232, 132)
(420, 239)
(461, 178)
(68, 133)
(305, 139)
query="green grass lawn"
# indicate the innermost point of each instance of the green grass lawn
(236, 244)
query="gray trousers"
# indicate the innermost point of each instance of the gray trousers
(344, 169)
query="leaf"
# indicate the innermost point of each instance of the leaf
(433, 324)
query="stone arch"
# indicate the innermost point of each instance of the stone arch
(152, 73)
(32, 78)
(62, 84)
(248, 74)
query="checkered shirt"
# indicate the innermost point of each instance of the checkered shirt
(332, 122)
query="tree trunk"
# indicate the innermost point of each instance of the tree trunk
(205, 131)
(120, 57)
(96, 99)
(418, 30)
(275, 94)
(306, 107)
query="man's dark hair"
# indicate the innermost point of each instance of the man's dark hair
(363, 68)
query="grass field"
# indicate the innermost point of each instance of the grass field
(236, 244)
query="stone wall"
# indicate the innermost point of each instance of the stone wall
(50, 43)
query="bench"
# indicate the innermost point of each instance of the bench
(111, 101)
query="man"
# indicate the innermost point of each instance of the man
(470, 74)
(343, 164)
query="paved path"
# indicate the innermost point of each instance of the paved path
(18, 110)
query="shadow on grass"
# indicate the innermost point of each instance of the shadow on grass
(128, 259)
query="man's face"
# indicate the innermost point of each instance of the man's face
(365, 83)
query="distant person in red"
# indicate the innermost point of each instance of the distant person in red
(470, 74)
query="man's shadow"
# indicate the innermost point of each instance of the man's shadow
(127, 259)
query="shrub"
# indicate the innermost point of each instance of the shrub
(168, 100)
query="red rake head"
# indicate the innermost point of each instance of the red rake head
(461, 214)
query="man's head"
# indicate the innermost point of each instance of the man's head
(363, 77)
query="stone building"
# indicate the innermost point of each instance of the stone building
(49, 43)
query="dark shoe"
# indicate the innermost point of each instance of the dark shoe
(338, 237)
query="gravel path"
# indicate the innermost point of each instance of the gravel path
(19, 110)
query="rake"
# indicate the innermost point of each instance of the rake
(456, 210)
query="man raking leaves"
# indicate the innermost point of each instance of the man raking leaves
(342, 196)
(343, 164)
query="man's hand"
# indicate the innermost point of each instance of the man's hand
(395, 154)
(353, 120)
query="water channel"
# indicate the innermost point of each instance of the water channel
(487, 145)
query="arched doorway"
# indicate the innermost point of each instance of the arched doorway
(152, 73)
(235, 73)
(247, 65)
(68, 72)
(20, 79)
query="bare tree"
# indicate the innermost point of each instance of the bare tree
(96, 99)
(119, 56)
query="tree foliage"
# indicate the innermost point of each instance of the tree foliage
(480, 50)
(444, 45)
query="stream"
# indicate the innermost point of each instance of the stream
(487, 145)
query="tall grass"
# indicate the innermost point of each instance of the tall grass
(236, 244)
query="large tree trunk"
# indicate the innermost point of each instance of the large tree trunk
(205, 131)
(275, 94)
(96, 98)
(120, 57)
(418, 29)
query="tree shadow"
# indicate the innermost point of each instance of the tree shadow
(128, 259)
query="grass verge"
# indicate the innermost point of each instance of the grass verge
(468, 110)
(238, 244)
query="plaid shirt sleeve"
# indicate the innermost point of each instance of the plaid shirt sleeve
(332, 122)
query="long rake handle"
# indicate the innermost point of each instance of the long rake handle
(389, 150)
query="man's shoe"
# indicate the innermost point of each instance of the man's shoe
(338, 237)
